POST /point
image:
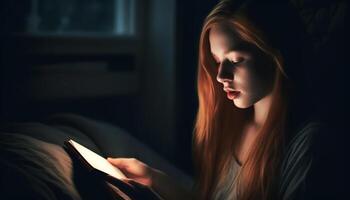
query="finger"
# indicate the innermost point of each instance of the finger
(125, 187)
(127, 180)
(120, 162)
(134, 188)
(122, 183)
(136, 183)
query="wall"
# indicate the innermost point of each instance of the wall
(157, 76)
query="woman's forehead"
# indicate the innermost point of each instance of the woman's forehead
(223, 32)
(222, 37)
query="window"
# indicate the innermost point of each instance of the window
(71, 45)
(82, 17)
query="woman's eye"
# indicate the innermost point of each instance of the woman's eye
(235, 62)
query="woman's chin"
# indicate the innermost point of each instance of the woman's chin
(241, 104)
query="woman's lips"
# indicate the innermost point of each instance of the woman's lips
(232, 94)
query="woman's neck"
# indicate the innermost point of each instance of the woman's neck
(252, 128)
(261, 109)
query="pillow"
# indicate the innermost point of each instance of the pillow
(33, 169)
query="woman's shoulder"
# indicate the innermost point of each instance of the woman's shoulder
(301, 143)
(303, 136)
(298, 159)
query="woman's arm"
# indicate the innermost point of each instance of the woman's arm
(166, 186)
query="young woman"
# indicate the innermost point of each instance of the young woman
(250, 141)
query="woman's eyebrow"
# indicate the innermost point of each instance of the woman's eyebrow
(226, 52)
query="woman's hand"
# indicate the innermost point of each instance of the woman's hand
(129, 189)
(134, 169)
(139, 172)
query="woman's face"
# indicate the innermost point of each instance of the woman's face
(246, 73)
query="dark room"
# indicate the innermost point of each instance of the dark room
(173, 99)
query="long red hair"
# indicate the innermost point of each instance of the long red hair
(219, 123)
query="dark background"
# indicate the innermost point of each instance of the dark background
(149, 85)
(152, 91)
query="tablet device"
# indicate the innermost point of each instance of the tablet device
(92, 160)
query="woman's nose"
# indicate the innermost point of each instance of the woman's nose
(225, 72)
